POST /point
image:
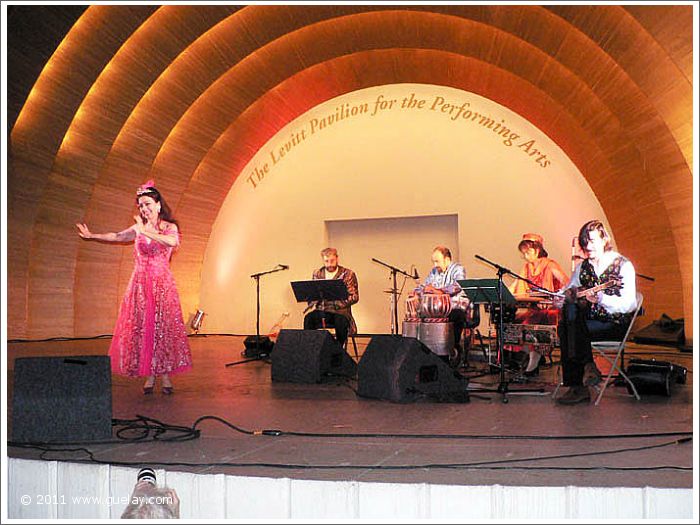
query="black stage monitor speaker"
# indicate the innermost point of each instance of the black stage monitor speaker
(306, 356)
(402, 369)
(62, 399)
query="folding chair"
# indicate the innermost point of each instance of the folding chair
(351, 337)
(460, 358)
(612, 351)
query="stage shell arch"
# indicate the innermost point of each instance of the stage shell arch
(188, 95)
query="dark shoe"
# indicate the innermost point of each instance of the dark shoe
(168, 390)
(515, 360)
(147, 390)
(455, 358)
(575, 394)
(591, 375)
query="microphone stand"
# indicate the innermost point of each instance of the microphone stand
(394, 293)
(503, 383)
(257, 276)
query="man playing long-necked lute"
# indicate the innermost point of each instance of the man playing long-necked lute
(601, 298)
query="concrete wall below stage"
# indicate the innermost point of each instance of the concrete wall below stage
(101, 491)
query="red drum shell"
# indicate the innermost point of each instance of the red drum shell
(412, 306)
(463, 302)
(435, 306)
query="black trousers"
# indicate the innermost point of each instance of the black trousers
(320, 319)
(458, 318)
(576, 333)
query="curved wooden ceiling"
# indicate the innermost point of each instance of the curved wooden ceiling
(187, 95)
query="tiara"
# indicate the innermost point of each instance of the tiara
(148, 187)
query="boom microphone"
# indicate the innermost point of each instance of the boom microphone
(283, 266)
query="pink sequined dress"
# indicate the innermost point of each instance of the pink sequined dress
(150, 336)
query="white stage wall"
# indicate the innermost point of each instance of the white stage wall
(445, 152)
(402, 243)
(102, 491)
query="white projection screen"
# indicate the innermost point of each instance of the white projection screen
(402, 242)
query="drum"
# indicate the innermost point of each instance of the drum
(435, 306)
(412, 306)
(410, 329)
(439, 337)
(463, 302)
(472, 311)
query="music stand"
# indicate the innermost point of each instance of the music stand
(492, 291)
(485, 291)
(320, 290)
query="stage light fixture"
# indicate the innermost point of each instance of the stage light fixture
(196, 323)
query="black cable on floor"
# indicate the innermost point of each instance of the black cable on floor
(277, 432)
(104, 336)
(49, 339)
(497, 464)
(146, 429)
(153, 430)
(143, 429)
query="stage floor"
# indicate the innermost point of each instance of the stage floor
(245, 396)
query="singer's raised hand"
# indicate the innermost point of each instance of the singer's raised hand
(84, 231)
(139, 226)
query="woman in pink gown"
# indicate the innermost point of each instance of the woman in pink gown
(150, 338)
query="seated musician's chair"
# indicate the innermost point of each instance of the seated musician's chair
(351, 337)
(468, 338)
(612, 352)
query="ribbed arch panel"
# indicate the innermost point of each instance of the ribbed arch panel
(187, 95)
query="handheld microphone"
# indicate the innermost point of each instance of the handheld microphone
(573, 254)
(283, 266)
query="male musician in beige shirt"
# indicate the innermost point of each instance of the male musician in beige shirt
(337, 314)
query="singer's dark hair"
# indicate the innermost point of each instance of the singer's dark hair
(591, 226)
(541, 252)
(165, 213)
